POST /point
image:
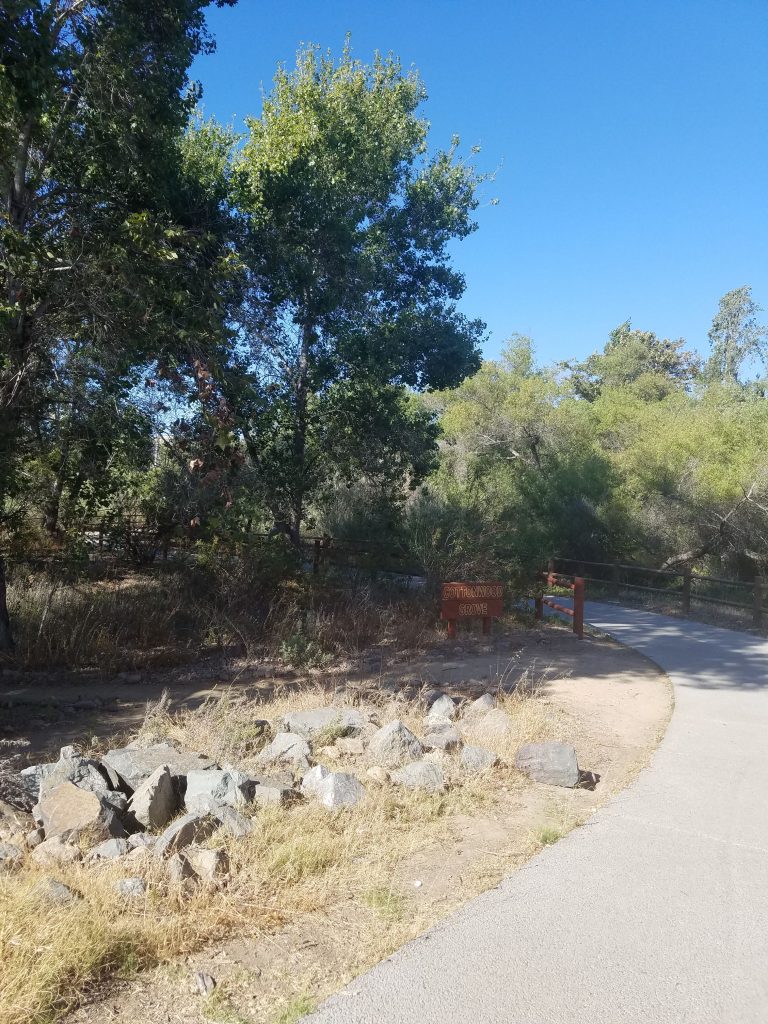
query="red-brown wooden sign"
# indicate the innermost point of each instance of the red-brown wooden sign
(471, 600)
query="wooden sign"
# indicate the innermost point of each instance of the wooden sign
(471, 600)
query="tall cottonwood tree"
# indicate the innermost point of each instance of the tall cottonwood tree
(353, 296)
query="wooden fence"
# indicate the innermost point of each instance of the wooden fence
(683, 587)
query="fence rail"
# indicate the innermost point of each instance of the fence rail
(691, 587)
(574, 583)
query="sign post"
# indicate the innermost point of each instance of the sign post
(471, 600)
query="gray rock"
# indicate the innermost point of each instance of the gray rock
(68, 810)
(11, 858)
(350, 746)
(552, 763)
(271, 793)
(134, 765)
(56, 851)
(394, 744)
(312, 724)
(430, 696)
(34, 838)
(141, 841)
(233, 822)
(191, 828)
(424, 775)
(443, 707)
(155, 802)
(313, 779)
(52, 891)
(32, 776)
(478, 759)
(218, 788)
(492, 727)
(339, 790)
(110, 849)
(287, 748)
(444, 739)
(82, 772)
(479, 707)
(209, 865)
(204, 983)
(130, 888)
(179, 868)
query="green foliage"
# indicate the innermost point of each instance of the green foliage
(735, 336)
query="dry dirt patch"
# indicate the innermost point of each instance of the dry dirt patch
(372, 881)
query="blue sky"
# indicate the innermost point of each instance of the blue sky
(629, 137)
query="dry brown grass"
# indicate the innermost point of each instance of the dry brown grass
(299, 861)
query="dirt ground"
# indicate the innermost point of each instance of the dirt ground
(613, 704)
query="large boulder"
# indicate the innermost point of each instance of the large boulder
(83, 772)
(274, 793)
(339, 790)
(233, 822)
(479, 707)
(68, 811)
(189, 829)
(213, 788)
(425, 775)
(287, 748)
(394, 744)
(134, 765)
(319, 722)
(495, 726)
(551, 763)
(110, 849)
(442, 739)
(155, 801)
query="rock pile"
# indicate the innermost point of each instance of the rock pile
(142, 804)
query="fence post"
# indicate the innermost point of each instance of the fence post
(615, 581)
(578, 607)
(538, 608)
(687, 590)
(757, 610)
(451, 629)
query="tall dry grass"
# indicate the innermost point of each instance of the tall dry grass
(300, 860)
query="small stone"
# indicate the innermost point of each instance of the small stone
(155, 802)
(393, 744)
(443, 707)
(217, 788)
(56, 850)
(209, 865)
(478, 759)
(34, 838)
(205, 983)
(233, 822)
(445, 739)
(52, 891)
(273, 794)
(141, 841)
(340, 790)
(424, 775)
(287, 748)
(179, 868)
(552, 763)
(377, 774)
(329, 753)
(191, 828)
(350, 746)
(130, 888)
(110, 849)
(11, 858)
(313, 779)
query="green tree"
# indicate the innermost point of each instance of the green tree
(735, 336)
(353, 298)
(106, 243)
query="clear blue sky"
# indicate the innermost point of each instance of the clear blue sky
(630, 138)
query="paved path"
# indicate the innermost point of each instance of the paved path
(655, 911)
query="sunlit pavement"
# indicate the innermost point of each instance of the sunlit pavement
(655, 911)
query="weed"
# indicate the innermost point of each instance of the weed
(295, 1010)
(387, 904)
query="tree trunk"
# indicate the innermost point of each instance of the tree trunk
(300, 433)
(7, 644)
